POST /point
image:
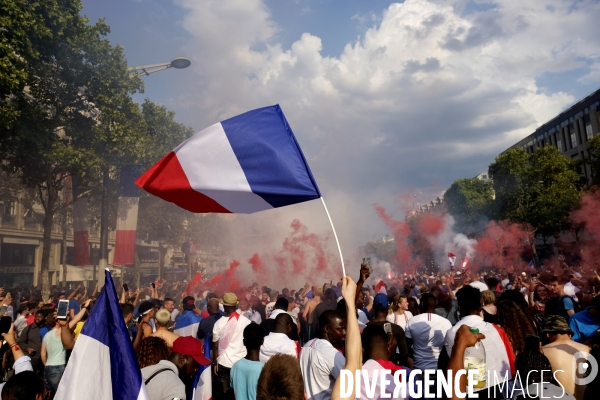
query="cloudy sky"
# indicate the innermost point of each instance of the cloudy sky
(385, 98)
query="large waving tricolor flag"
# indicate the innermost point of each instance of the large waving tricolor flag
(244, 164)
(203, 381)
(103, 364)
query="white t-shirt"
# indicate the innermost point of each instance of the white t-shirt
(400, 320)
(320, 364)
(428, 332)
(276, 343)
(362, 317)
(479, 285)
(235, 350)
(269, 308)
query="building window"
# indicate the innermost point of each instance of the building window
(70, 255)
(588, 131)
(559, 145)
(9, 212)
(573, 140)
(17, 254)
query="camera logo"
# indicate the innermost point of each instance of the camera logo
(585, 368)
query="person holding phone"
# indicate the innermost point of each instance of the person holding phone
(53, 354)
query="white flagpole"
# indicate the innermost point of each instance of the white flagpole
(335, 235)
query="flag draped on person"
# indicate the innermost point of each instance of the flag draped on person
(452, 259)
(245, 164)
(203, 381)
(103, 364)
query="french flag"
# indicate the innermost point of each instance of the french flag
(248, 163)
(127, 215)
(203, 381)
(81, 248)
(187, 324)
(452, 259)
(103, 364)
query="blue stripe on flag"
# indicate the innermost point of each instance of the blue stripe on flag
(270, 156)
(106, 324)
(127, 186)
(203, 392)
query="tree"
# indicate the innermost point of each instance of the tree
(594, 159)
(538, 189)
(75, 114)
(468, 201)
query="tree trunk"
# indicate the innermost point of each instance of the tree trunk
(136, 269)
(47, 241)
(64, 249)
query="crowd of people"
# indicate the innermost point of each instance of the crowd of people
(257, 342)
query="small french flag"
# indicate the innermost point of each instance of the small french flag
(248, 163)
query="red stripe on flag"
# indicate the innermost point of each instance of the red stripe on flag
(167, 180)
(124, 247)
(81, 248)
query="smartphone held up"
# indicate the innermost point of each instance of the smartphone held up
(63, 309)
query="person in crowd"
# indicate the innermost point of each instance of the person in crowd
(360, 309)
(279, 340)
(565, 305)
(7, 301)
(281, 306)
(188, 322)
(279, 379)
(151, 350)
(173, 377)
(398, 312)
(245, 372)
(400, 353)
(488, 298)
(425, 333)
(75, 302)
(30, 341)
(413, 306)
(271, 304)
(586, 324)
(169, 305)
(329, 303)
(228, 341)
(560, 352)
(21, 320)
(447, 307)
(53, 354)
(127, 311)
(498, 350)
(147, 311)
(492, 284)
(321, 360)
(162, 318)
(309, 313)
(515, 323)
(248, 312)
(21, 364)
(26, 385)
(205, 329)
(530, 364)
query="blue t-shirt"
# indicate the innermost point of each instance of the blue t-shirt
(43, 330)
(565, 305)
(74, 305)
(244, 378)
(583, 325)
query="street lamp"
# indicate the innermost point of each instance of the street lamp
(177, 62)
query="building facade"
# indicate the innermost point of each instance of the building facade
(570, 131)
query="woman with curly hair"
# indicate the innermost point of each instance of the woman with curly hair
(151, 350)
(515, 323)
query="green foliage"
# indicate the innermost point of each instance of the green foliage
(539, 189)
(594, 159)
(468, 201)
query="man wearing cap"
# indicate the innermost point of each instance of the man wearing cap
(173, 378)
(187, 323)
(162, 319)
(228, 340)
(560, 352)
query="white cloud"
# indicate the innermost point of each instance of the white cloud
(427, 95)
(593, 76)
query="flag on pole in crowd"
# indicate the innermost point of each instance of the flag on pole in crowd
(531, 264)
(127, 215)
(103, 364)
(188, 322)
(203, 381)
(81, 247)
(452, 259)
(248, 163)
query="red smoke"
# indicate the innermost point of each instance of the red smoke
(227, 281)
(404, 252)
(257, 264)
(586, 237)
(195, 285)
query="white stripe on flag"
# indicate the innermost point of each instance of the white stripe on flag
(209, 162)
(190, 330)
(127, 213)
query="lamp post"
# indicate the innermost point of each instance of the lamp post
(177, 63)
